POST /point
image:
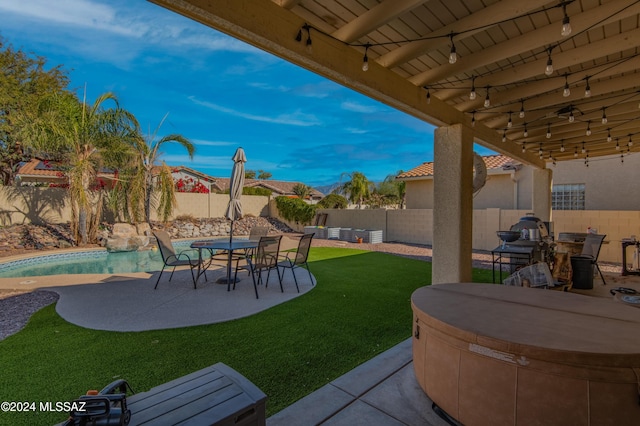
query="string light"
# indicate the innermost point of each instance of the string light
(487, 102)
(548, 130)
(588, 128)
(608, 135)
(522, 109)
(571, 117)
(562, 145)
(365, 59)
(453, 57)
(509, 123)
(523, 148)
(549, 68)
(566, 92)
(604, 116)
(575, 152)
(583, 150)
(617, 144)
(473, 119)
(525, 133)
(504, 136)
(630, 143)
(587, 89)
(472, 95)
(540, 150)
(566, 25)
(428, 95)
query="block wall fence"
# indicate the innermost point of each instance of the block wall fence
(414, 226)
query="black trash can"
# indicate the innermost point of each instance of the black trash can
(582, 272)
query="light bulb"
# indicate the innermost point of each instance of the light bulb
(566, 92)
(428, 97)
(588, 129)
(604, 117)
(562, 148)
(504, 136)
(549, 68)
(365, 63)
(608, 135)
(566, 26)
(571, 117)
(617, 145)
(575, 152)
(525, 133)
(523, 149)
(487, 102)
(587, 92)
(522, 110)
(583, 150)
(453, 57)
(472, 95)
(548, 132)
(509, 123)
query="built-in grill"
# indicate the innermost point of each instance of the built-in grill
(534, 234)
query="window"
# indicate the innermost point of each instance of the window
(568, 197)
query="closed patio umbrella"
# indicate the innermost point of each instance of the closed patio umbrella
(234, 209)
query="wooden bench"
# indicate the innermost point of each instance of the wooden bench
(216, 395)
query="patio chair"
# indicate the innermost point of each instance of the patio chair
(172, 259)
(297, 259)
(264, 258)
(591, 248)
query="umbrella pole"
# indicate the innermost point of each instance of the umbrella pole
(229, 260)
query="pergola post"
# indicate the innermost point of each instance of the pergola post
(541, 196)
(453, 204)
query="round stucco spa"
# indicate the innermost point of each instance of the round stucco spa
(502, 355)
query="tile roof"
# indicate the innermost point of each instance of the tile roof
(493, 162)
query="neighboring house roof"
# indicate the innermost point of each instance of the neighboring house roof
(280, 187)
(50, 169)
(494, 163)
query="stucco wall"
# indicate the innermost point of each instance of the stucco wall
(609, 183)
(38, 205)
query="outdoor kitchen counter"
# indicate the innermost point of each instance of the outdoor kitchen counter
(518, 355)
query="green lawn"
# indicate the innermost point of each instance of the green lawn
(360, 307)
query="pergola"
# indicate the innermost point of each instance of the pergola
(540, 81)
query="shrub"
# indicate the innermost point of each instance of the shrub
(333, 201)
(295, 210)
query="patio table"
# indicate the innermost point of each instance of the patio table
(221, 244)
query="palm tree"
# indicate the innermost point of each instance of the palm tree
(301, 190)
(140, 189)
(87, 138)
(357, 188)
(400, 187)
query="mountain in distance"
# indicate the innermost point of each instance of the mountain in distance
(327, 189)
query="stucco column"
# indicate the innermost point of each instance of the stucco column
(452, 204)
(541, 194)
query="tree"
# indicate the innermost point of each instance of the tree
(399, 185)
(249, 174)
(23, 83)
(141, 188)
(88, 138)
(302, 191)
(357, 188)
(264, 175)
(333, 201)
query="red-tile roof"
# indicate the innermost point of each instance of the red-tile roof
(494, 162)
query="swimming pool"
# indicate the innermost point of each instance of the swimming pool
(89, 262)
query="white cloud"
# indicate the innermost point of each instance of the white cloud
(202, 142)
(149, 24)
(296, 118)
(356, 107)
(355, 131)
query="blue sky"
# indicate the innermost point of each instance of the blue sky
(217, 91)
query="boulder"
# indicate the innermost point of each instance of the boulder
(122, 244)
(123, 230)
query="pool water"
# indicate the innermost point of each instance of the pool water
(90, 262)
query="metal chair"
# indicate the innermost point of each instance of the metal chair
(265, 258)
(297, 259)
(170, 258)
(591, 248)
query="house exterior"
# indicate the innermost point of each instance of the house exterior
(45, 173)
(605, 183)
